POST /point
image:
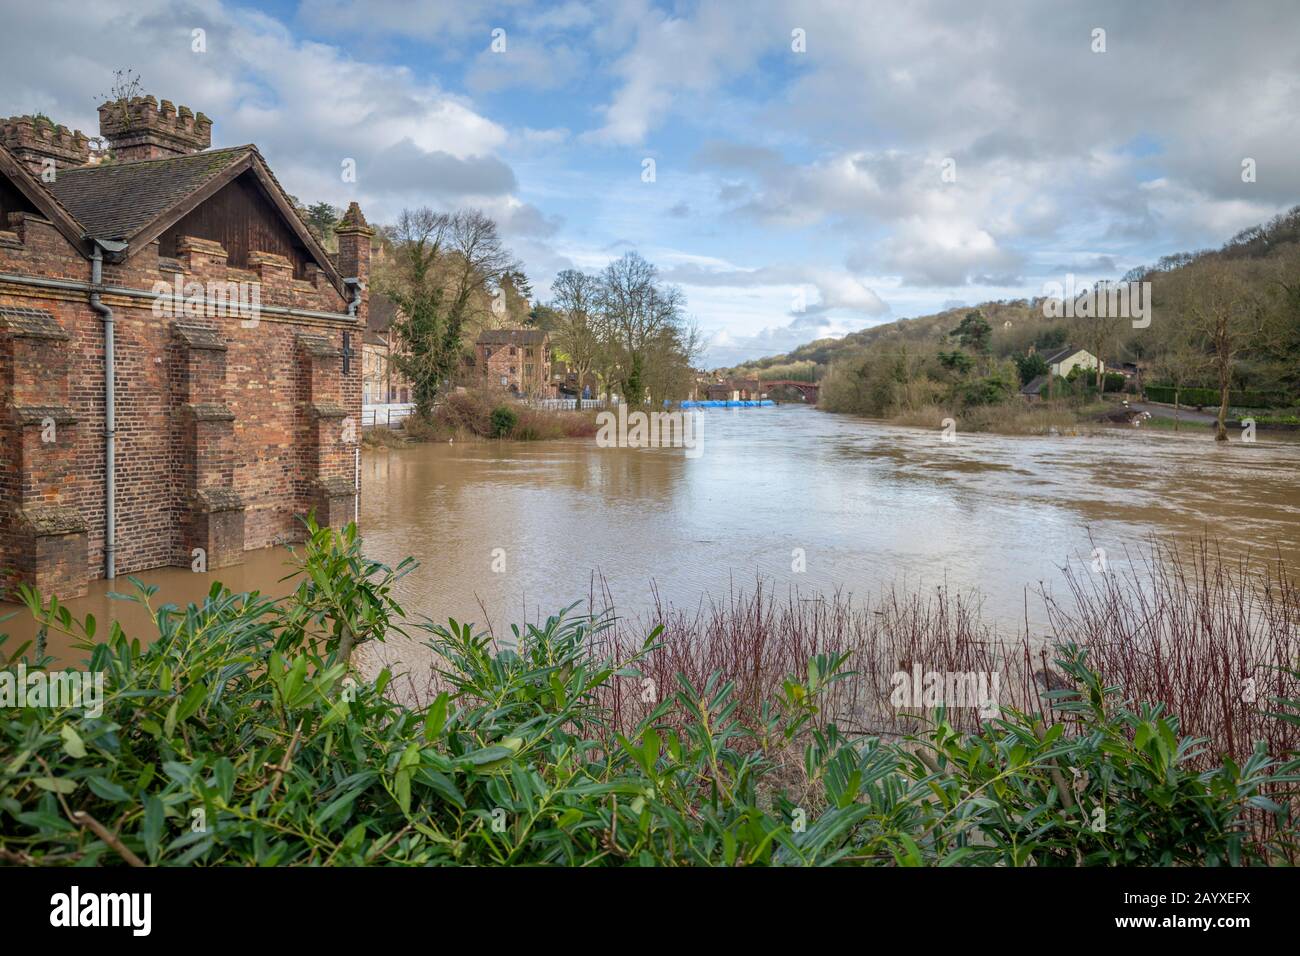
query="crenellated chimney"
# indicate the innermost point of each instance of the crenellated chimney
(42, 146)
(141, 128)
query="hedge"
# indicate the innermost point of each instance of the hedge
(1210, 396)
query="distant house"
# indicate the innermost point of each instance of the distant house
(1035, 388)
(517, 360)
(1065, 360)
(740, 389)
(381, 382)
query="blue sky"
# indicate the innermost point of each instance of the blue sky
(796, 193)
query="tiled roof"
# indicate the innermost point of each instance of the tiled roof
(1034, 386)
(512, 337)
(383, 312)
(1060, 354)
(115, 200)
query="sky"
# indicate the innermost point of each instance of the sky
(800, 169)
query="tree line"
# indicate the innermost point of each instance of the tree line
(451, 276)
(1226, 319)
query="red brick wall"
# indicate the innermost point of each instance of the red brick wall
(500, 363)
(267, 454)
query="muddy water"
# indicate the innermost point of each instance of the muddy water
(507, 532)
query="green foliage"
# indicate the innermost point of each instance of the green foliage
(1210, 396)
(973, 333)
(1085, 379)
(1055, 337)
(233, 738)
(343, 598)
(1029, 367)
(988, 390)
(504, 420)
(956, 361)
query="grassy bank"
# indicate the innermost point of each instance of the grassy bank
(238, 735)
(1011, 418)
(485, 414)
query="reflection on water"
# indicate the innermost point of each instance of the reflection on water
(869, 505)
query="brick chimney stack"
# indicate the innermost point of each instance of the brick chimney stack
(354, 252)
(43, 147)
(141, 128)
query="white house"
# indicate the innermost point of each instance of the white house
(1063, 361)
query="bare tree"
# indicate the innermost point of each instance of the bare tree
(1100, 333)
(576, 298)
(638, 309)
(1222, 317)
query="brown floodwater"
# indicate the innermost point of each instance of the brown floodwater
(507, 532)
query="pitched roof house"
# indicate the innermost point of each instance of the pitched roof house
(1065, 360)
(178, 374)
(518, 360)
(381, 380)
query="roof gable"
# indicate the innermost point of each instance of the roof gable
(118, 200)
(46, 203)
(137, 202)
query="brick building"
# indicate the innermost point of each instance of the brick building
(382, 382)
(181, 281)
(517, 360)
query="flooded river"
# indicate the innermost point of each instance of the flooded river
(507, 532)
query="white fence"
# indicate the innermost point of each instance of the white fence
(565, 404)
(385, 416)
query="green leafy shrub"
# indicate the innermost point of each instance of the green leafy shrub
(987, 390)
(504, 420)
(238, 736)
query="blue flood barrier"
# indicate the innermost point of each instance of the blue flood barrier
(764, 403)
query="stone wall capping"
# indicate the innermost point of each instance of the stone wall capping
(50, 520)
(32, 324)
(317, 346)
(199, 337)
(257, 258)
(210, 412)
(329, 410)
(216, 500)
(208, 247)
(40, 414)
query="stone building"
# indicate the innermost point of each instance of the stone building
(517, 360)
(180, 281)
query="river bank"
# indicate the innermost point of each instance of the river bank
(472, 415)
